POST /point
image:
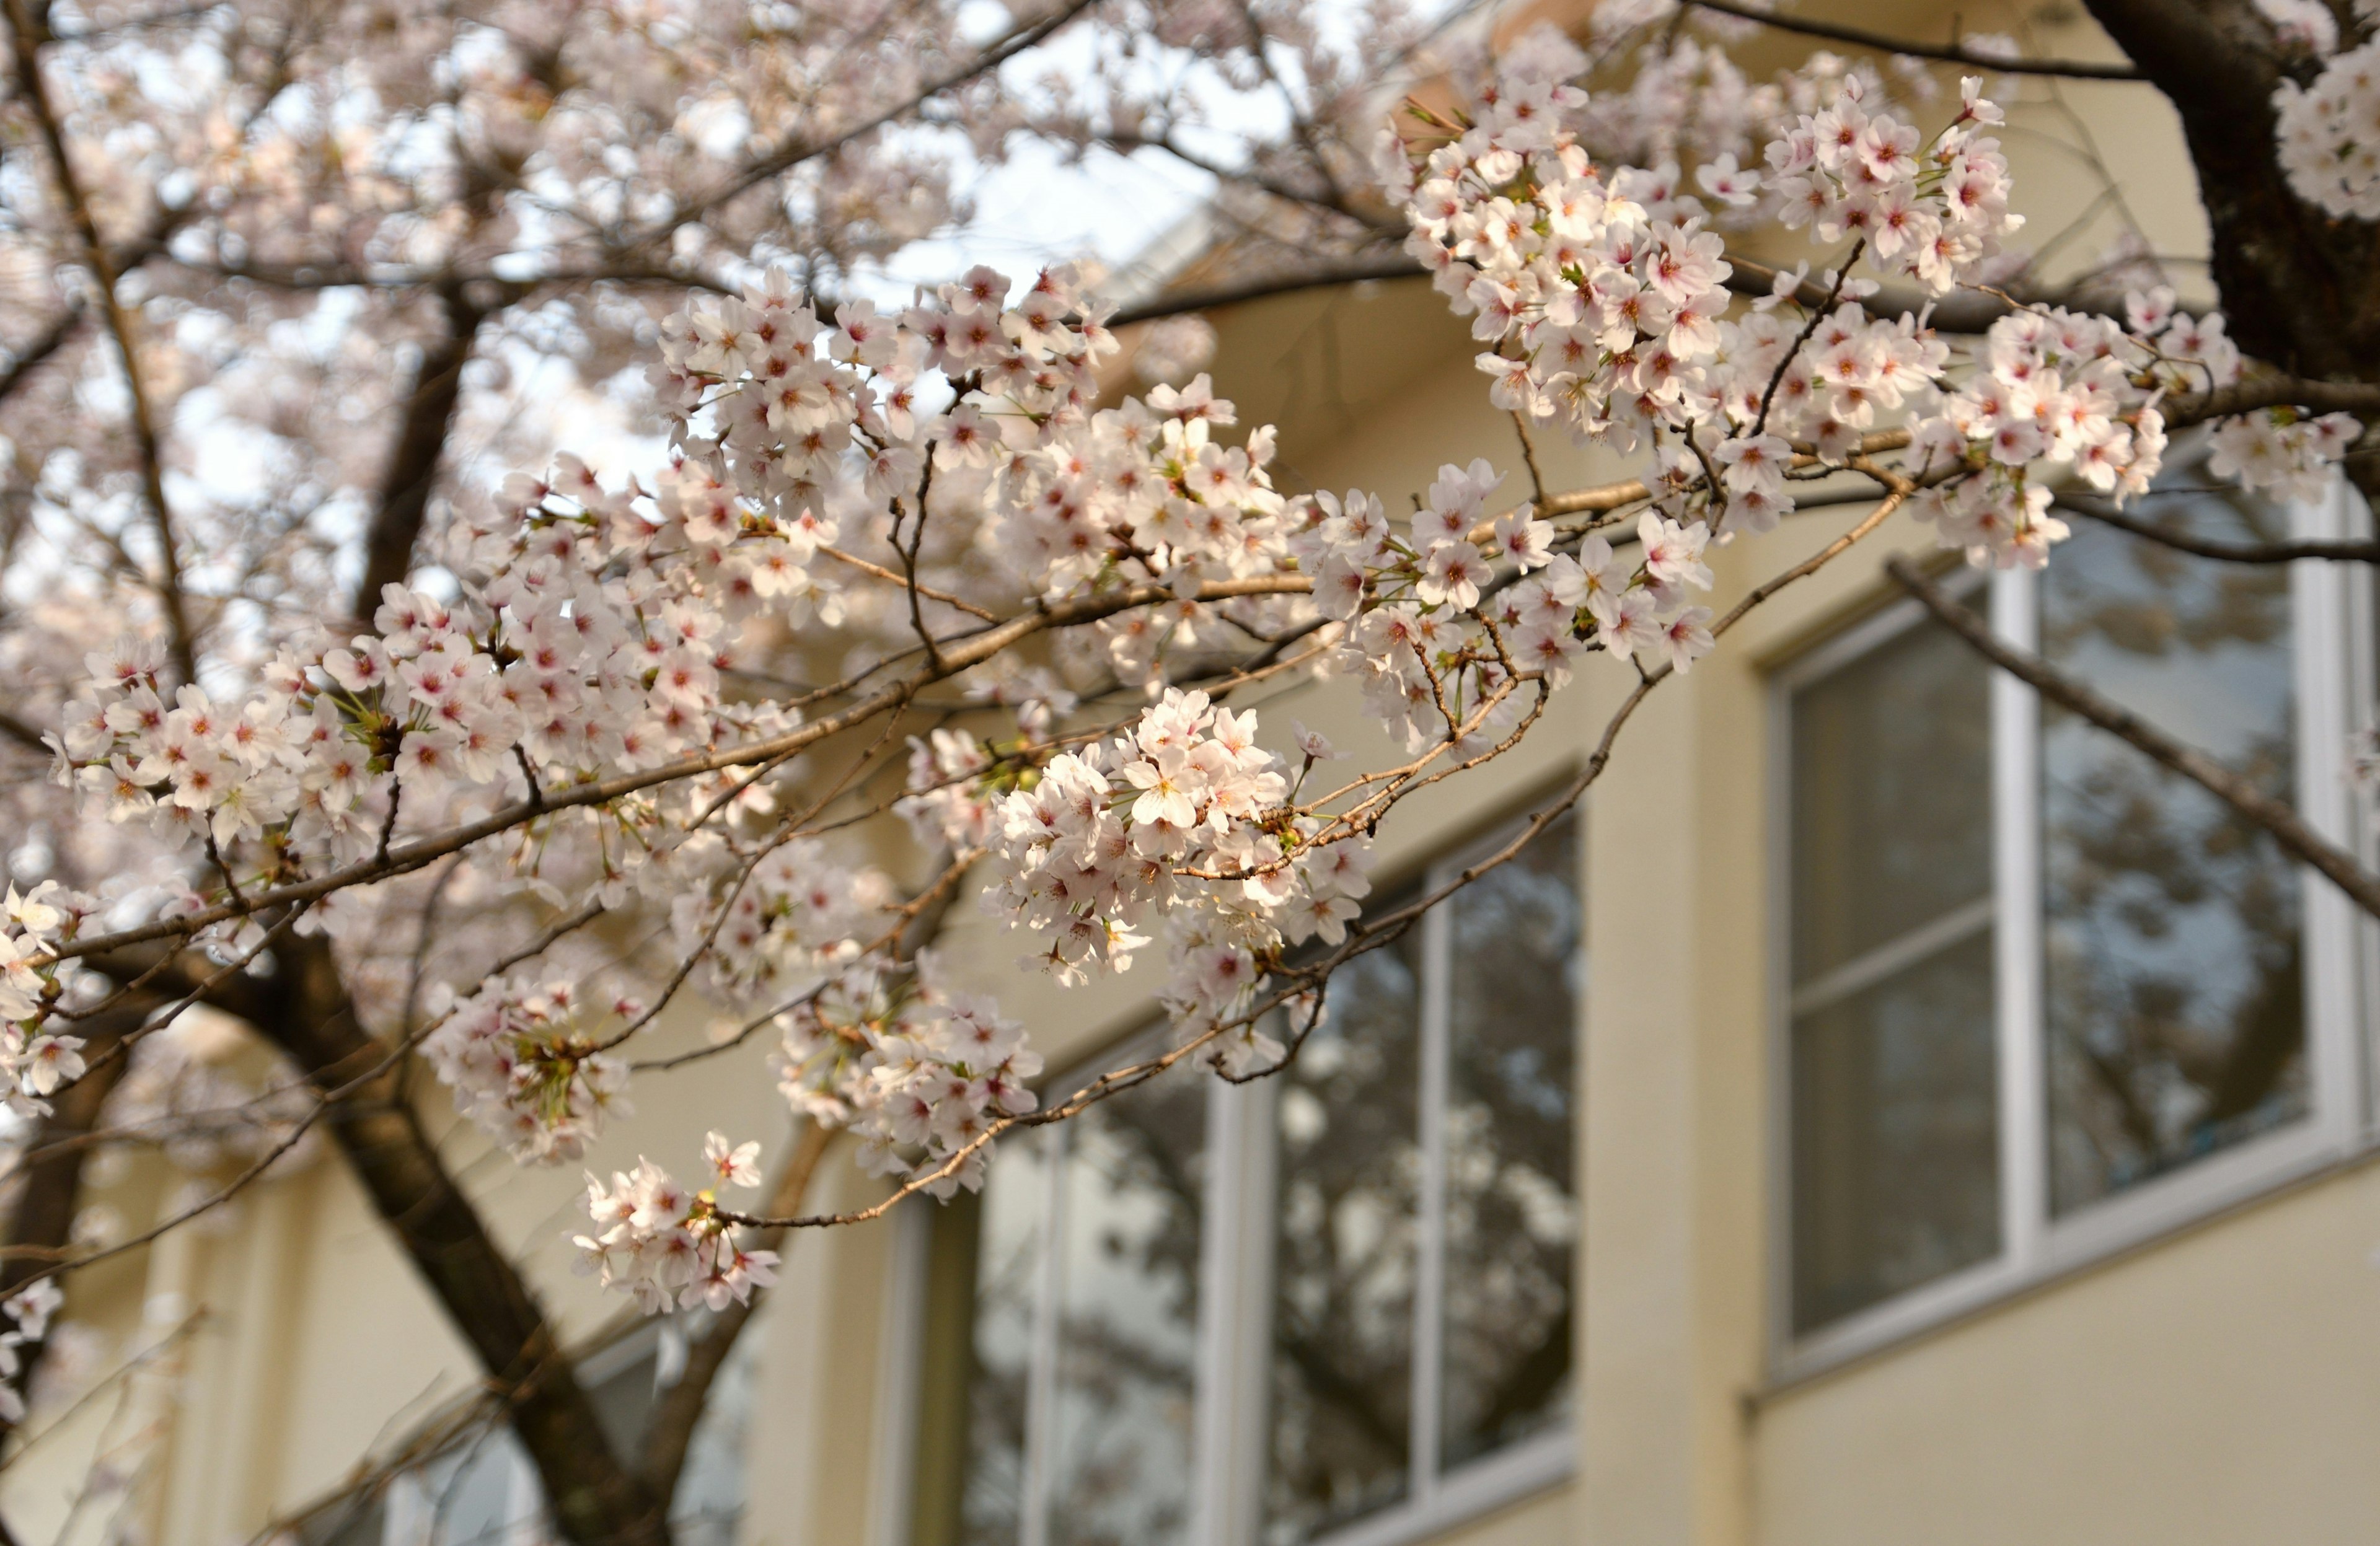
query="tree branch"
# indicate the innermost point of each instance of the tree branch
(304, 1009)
(37, 349)
(2227, 552)
(788, 156)
(412, 471)
(1964, 311)
(2249, 803)
(28, 36)
(42, 1221)
(1949, 53)
(682, 1405)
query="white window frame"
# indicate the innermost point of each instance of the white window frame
(2334, 671)
(1231, 1376)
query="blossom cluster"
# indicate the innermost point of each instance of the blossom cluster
(1181, 818)
(28, 1311)
(939, 1069)
(34, 1061)
(1604, 298)
(2329, 132)
(669, 1246)
(1438, 645)
(2060, 394)
(1935, 213)
(591, 641)
(523, 1069)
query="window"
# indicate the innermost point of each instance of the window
(481, 1489)
(2042, 997)
(1331, 1305)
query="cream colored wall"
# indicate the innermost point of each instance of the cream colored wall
(2222, 1385)
(2222, 1388)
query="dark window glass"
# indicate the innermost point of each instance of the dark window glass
(1895, 1168)
(1076, 1268)
(1516, 959)
(2174, 972)
(1350, 1169)
(1895, 1135)
(1120, 1463)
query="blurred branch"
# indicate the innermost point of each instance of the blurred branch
(2249, 803)
(304, 1009)
(1960, 312)
(681, 1407)
(792, 154)
(2228, 552)
(29, 33)
(19, 731)
(48, 342)
(412, 471)
(41, 1221)
(1949, 53)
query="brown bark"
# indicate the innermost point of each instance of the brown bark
(2301, 289)
(303, 1009)
(43, 1215)
(413, 463)
(681, 1407)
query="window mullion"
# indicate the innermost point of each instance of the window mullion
(1041, 1370)
(1227, 1398)
(1429, 1246)
(2325, 669)
(2017, 945)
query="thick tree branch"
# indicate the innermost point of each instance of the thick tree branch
(50, 1183)
(2251, 803)
(2299, 289)
(1949, 53)
(304, 1009)
(412, 472)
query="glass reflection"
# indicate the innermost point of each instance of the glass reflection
(1007, 1262)
(1119, 1461)
(1892, 814)
(1516, 958)
(2174, 978)
(1896, 1173)
(1343, 1284)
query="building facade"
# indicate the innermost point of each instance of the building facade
(1886, 1111)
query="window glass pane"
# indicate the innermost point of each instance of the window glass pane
(1007, 1262)
(1342, 1307)
(1896, 1174)
(1894, 1169)
(1891, 796)
(1120, 1459)
(2174, 985)
(476, 1495)
(710, 1500)
(1517, 959)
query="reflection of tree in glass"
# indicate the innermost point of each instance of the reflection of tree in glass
(1128, 1318)
(2174, 997)
(1343, 1309)
(1005, 1257)
(1516, 957)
